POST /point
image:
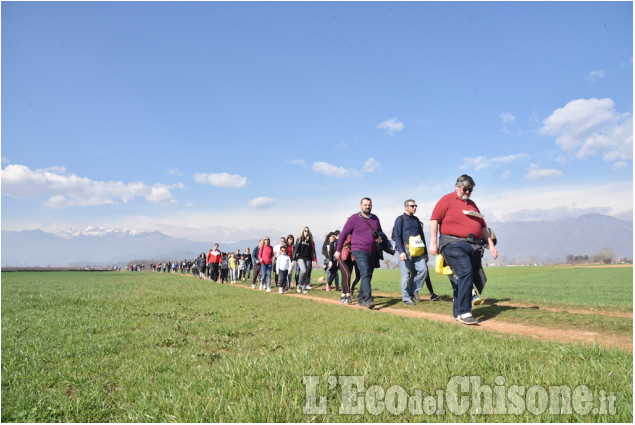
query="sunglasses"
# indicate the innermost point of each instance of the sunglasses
(467, 189)
(413, 206)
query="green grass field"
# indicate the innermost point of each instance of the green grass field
(149, 347)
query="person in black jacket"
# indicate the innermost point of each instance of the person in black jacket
(304, 255)
(330, 246)
(201, 264)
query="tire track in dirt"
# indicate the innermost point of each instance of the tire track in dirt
(538, 332)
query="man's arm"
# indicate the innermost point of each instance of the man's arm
(434, 229)
(490, 242)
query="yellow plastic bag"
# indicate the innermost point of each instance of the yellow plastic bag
(416, 247)
(441, 266)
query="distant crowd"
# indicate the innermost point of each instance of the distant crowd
(283, 264)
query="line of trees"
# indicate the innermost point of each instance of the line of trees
(605, 256)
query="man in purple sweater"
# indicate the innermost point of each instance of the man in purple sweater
(365, 230)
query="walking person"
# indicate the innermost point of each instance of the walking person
(365, 229)
(462, 233)
(276, 252)
(257, 264)
(331, 262)
(347, 265)
(265, 255)
(248, 264)
(294, 267)
(214, 258)
(200, 264)
(233, 267)
(224, 268)
(305, 257)
(283, 264)
(413, 257)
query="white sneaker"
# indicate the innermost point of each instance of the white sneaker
(260, 288)
(268, 290)
(304, 291)
(298, 289)
(253, 286)
(281, 291)
(308, 287)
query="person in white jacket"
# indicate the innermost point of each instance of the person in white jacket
(283, 264)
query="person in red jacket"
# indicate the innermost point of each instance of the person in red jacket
(265, 255)
(214, 258)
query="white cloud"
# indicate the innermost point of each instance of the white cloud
(590, 127)
(534, 172)
(593, 76)
(225, 180)
(482, 162)
(262, 202)
(175, 172)
(371, 165)
(507, 118)
(65, 189)
(391, 126)
(331, 170)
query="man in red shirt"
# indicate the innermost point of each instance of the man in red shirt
(462, 234)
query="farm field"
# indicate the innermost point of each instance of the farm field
(151, 347)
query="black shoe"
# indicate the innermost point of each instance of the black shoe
(409, 302)
(367, 303)
(434, 297)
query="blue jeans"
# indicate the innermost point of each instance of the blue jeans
(413, 274)
(366, 264)
(465, 262)
(266, 274)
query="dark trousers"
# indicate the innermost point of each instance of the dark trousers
(256, 273)
(284, 279)
(346, 271)
(332, 274)
(465, 263)
(213, 274)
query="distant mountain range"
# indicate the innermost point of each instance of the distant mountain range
(518, 242)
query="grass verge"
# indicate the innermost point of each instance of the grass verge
(145, 347)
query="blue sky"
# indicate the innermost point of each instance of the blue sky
(227, 121)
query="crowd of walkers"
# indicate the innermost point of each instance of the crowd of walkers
(459, 237)
(289, 263)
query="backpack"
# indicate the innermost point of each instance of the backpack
(392, 236)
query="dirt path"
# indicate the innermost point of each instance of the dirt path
(494, 325)
(594, 311)
(539, 332)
